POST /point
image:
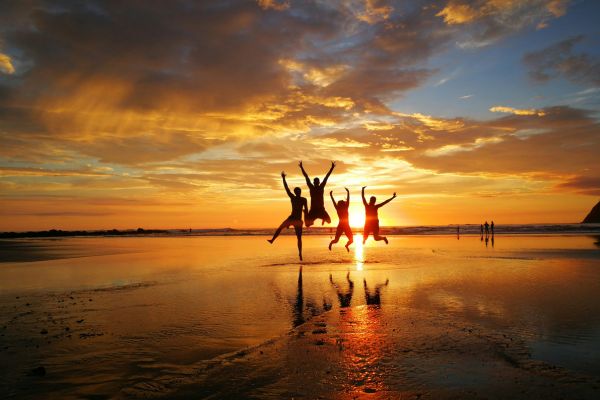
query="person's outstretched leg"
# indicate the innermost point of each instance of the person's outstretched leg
(378, 238)
(338, 233)
(277, 232)
(299, 236)
(366, 232)
(376, 234)
(309, 219)
(350, 237)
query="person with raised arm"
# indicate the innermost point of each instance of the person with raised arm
(343, 225)
(372, 217)
(299, 204)
(317, 203)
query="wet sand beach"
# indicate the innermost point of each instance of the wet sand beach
(232, 317)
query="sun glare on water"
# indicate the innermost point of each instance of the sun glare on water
(358, 252)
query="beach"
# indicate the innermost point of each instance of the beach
(234, 317)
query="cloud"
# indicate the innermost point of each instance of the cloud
(373, 11)
(488, 20)
(458, 13)
(560, 60)
(226, 95)
(274, 4)
(6, 65)
(542, 151)
(589, 185)
(517, 111)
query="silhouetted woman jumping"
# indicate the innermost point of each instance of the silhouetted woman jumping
(317, 203)
(299, 204)
(343, 225)
(372, 218)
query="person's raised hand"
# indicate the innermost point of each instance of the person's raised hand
(300, 164)
(394, 194)
(364, 187)
(347, 190)
(331, 192)
(282, 174)
(332, 164)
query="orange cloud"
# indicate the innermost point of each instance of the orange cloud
(274, 4)
(6, 65)
(517, 111)
(456, 13)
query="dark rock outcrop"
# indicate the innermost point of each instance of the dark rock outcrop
(594, 216)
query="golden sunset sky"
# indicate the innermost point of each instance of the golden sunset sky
(177, 114)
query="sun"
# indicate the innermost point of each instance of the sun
(356, 216)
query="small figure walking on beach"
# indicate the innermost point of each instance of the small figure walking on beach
(372, 217)
(487, 228)
(317, 203)
(481, 226)
(343, 225)
(492, 228)
(299, 205)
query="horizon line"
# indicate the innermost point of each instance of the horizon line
(272, 227)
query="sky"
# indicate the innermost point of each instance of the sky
(182, 114)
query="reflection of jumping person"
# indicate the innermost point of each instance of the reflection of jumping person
(374, 298)
(345, 298)
(317, 204)
(343, 225)
(372, 218)
(295, 219)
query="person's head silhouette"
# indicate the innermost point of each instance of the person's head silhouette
(341, 203)
(317, 181)
(372, 200)
(297, 191)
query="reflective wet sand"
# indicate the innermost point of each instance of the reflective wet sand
(141, 316)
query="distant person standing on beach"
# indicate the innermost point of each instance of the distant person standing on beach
(317, 203)
(492, 227)
(481, 226)
(299, 204)
(372, 217)
(343, 225)
(487, 228)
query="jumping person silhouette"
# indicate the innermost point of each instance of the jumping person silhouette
(317, 204)
(372, 218)
(343, 225)
(299, 204)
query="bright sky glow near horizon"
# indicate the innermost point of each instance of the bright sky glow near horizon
(183, 114)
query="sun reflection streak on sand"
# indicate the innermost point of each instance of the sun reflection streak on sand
(359, 252)
(363, 343)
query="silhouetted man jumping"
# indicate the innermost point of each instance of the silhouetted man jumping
(343, 225)
(372, 218)
(299, 204)
(317, 203)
